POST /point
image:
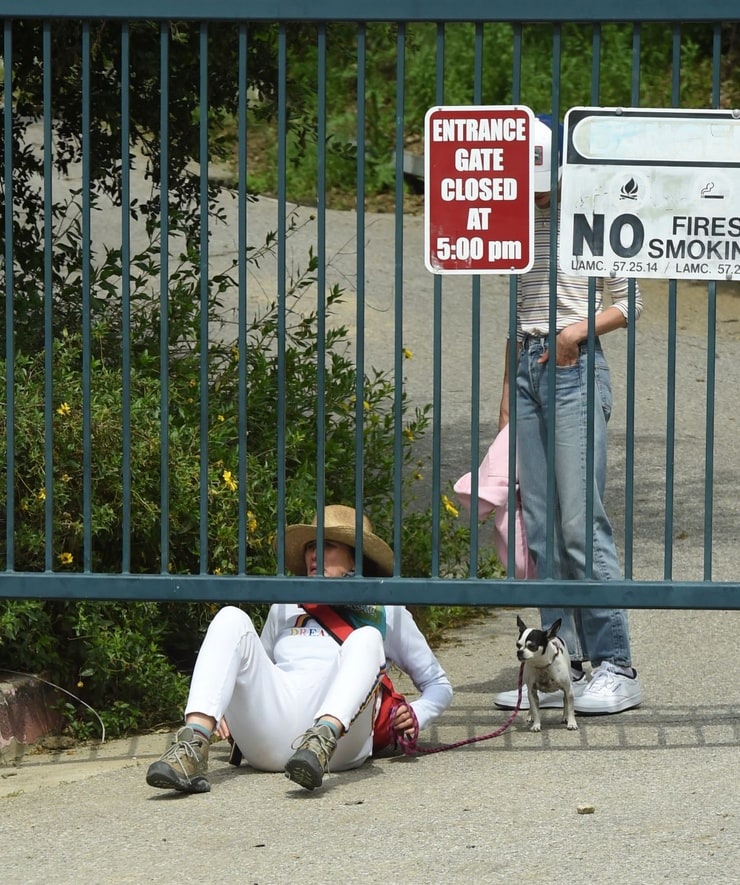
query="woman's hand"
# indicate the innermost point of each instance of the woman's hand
(403, 721)
(222, 730)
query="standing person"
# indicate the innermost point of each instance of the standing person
(295, 679)
(596, 635)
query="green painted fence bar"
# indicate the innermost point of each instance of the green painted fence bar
(651, 504)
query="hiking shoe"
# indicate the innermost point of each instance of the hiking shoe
(183, 766)
(506, 700)
(310, 761)
(609, 691)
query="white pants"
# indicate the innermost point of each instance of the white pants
(267, 708)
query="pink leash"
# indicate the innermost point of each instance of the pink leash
(407, 741)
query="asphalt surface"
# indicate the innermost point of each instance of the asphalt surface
(649, 795)
(645, 796)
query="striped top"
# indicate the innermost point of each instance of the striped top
(533, 302)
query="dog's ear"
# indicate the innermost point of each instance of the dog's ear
(553, 631)
(521, 625)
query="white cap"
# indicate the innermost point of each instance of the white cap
(542, 138)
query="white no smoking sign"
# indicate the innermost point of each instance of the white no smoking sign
(651, 193)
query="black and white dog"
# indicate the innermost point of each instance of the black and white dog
(546, 668)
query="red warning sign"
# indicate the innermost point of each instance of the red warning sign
(479, 210)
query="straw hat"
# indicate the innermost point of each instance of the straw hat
(339, 525)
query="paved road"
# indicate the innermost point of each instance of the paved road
(662, 782)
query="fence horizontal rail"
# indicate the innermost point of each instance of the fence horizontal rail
(376, 10)
(385, 591)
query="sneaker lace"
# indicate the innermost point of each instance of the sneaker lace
(604, 677)
(188, 749)
(318, 741)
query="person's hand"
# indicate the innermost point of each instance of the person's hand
(403, 721)
(566, 348)
(222, 730)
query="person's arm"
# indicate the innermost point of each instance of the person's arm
(406, 646)
(615, 316)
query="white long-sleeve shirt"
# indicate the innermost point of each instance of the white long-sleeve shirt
(293, 641)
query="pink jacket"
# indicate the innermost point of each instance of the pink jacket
(493, 496)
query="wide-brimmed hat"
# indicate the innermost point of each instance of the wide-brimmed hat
(339, 525)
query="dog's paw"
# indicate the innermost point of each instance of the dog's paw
(535, 726)
(571, 726)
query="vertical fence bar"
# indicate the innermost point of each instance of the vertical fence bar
(204, 293)
(125, 300)
(398, 306)
(281, 293)
(552, 322)
(475, 349)
(86, 300)
(711, 353)
(242, 297)
(360, 305)
(9, 307)
(164, 261)
(629, 469)
(591, 346)
(437, 345)
(48, 299)
(321, 299)
(671, 368)
(511, 350)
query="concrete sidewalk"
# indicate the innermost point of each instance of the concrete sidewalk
(661, 780)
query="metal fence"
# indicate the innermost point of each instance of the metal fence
(142, 458)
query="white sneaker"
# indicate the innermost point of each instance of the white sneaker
(609, 691)
(506, 700)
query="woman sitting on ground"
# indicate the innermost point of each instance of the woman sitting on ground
(294, 698)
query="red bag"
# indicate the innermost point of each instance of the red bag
(383, 734)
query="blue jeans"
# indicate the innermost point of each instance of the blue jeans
(591, 634)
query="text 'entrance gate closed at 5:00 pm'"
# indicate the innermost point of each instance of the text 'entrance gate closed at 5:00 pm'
(479, 214)
(651, 193)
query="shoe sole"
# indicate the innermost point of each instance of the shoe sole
(302, 772)
(164, 778)
(546, 705)
(632, 705)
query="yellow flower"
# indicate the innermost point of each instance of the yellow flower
(41, 495)
(409, 434)
(229, 481)
(65, 477)
(450, 507)
(66, 558)
(64, 409)
(80, 684)
(221, 418)
(251, 522)
(418, 475)
(408, 354)
(217, 571)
